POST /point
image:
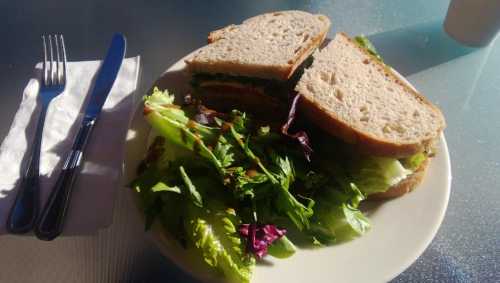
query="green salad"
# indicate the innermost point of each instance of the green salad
(234, 190)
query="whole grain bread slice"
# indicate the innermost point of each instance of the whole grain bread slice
(268, 46)
(354, 96)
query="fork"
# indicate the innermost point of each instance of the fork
(24, 212)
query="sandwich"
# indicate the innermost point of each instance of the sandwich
(352, 95)
(254, 66)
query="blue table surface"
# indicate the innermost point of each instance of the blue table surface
(464, 82)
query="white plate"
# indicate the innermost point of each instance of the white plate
(401, 228)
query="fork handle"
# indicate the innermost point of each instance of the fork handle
(51, 222)
(22, 215)
(25, 209)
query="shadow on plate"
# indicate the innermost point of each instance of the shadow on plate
(265, 262)
(176, 81)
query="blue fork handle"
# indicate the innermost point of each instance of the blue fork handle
(51, 221)
(24, 211)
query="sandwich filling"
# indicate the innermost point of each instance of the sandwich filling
(274, 88)
(379, 174)
(371, 174)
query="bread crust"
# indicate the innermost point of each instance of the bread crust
(406, 185)
(366, 142)
(360, 141)
(217, 34)
(305, 52)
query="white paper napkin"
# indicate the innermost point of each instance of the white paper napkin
(95, 189)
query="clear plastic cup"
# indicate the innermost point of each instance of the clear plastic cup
(473, 22)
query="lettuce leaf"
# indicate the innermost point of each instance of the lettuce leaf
(285, 202)
(150, 202)
(377, 174)
(337, 217)
(172, 123)
(163, 187)
(282, 248)
(356, 219)
(192, 192)
(362, 41)
(232, 146)
(213, 233)
(414, 161)
(181, 204)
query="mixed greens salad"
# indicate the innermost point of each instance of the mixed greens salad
(233, 189)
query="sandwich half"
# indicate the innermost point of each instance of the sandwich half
(254, 65)
(351, 94)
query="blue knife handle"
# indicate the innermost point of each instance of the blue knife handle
(51, 221)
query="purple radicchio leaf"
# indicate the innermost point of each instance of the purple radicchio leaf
(260, 237)
(300, 136)
(203, 115)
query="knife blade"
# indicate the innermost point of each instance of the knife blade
(51, 221)
(106, 76)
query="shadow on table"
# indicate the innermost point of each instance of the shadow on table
(413, 49)
(153, 267)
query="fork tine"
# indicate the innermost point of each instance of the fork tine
(44, 75)
(58, 60)
(63, 60)
(51, 66)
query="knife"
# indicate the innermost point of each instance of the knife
(51, 221)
